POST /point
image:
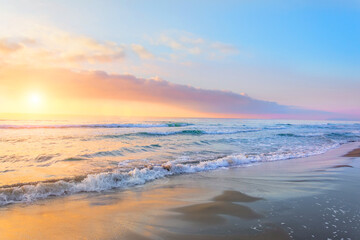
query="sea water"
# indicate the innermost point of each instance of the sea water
(41, 159)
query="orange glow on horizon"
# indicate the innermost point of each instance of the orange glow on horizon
(58, 92)
(44, 92)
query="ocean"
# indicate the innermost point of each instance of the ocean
(42, 159)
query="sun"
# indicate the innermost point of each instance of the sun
(34, 99)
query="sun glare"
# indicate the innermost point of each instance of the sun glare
(34, 99)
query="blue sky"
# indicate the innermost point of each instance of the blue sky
(324, 33)
(302, 53)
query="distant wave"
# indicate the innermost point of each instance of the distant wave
(274, 128)
(122, 179)
(183, 132)
(111, 125)
(333, 135)
(116, 152)
(288, 135)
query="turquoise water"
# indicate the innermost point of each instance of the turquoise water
(39, 159)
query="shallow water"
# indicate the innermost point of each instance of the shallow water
(39, 159)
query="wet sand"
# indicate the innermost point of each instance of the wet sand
(224, 204)
(209, 212)
(353, 153)
(308, 198)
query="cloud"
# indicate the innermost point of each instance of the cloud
(186, 43)
(225, 48)
(170, 42)
(40, 45)
(141, 51)
(48, 46)
(10, 45)
(7, 47)
(84, 49)
(65, 84)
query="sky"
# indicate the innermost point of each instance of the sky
(246, 59)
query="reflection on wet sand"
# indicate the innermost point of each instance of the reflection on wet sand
(131, 215)
(209, 212)
(269, 234)
(95, 216)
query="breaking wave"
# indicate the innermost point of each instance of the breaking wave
(123, 179)
(183, 132)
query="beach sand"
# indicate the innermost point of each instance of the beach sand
(309, 198)
(353, 153)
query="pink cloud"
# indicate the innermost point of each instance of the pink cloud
(100, 85)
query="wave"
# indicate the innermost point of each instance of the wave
(116, 152)
(111, 125)
(313, 126)
(288, 135)
(343, 134)
(300, 135)
(327, 135)
(198, 132)
(182, 132)
(123, 179)
(274, 128)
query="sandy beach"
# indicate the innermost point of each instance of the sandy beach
(307, 198)
(173, 120)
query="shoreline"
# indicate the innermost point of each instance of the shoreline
(118, 180)
(275, 200)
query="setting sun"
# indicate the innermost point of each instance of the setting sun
(34, 99)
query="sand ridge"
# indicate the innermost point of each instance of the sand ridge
(209, 212)
(353, 153)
